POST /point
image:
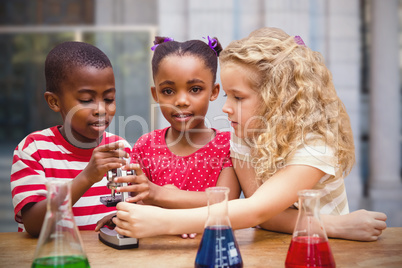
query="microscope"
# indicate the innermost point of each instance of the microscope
(113, 199)
(109, 236)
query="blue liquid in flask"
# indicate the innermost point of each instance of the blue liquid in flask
(218, 249)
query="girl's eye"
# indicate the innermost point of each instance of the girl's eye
(237, 98)
(195, 89)
(85, 101)
(109, 100)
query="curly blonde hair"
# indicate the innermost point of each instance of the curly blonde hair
(298, 98)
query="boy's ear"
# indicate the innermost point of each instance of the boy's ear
(154, 95)
(215, 92)
(53, 101)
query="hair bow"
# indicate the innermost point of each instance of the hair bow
(212, 43)
(167, 39)
(299, 41)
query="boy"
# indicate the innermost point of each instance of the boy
(80, 86)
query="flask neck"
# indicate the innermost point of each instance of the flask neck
(217, 207)
(59, 197)
(309, 206)
(308, 222)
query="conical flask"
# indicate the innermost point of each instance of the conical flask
(309, 246)
(218, 247)
(59, 243)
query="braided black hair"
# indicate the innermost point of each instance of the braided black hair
(196, 48)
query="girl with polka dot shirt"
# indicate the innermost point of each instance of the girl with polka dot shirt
(176, 164)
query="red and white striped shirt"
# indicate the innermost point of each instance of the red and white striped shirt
(46, 155)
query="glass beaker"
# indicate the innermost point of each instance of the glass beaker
(59, 243)
(218, 247)
(309, 246)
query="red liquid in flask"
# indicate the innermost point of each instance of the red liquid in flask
(309, 252)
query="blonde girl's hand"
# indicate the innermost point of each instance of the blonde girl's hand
(138, 185)
(103, 159)
(361, 225)
(184, 236)
(139, 220)
(105, 221)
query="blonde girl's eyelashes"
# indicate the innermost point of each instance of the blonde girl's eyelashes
(235, 97)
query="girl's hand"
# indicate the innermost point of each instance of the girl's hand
(103, 159)
(140, 220)
(361, 225)
(138, 185)
(105, 221)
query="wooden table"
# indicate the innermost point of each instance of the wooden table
(258, 248)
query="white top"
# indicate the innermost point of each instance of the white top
(315, 154)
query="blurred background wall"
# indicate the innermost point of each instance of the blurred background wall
(359, 39)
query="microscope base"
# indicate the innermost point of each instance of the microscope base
(112, 239)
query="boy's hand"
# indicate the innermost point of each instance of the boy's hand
(107, 220)
(138, 185)
(105, 158)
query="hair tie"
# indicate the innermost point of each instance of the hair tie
(167, 39)
(299, 40)
(212, 43)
